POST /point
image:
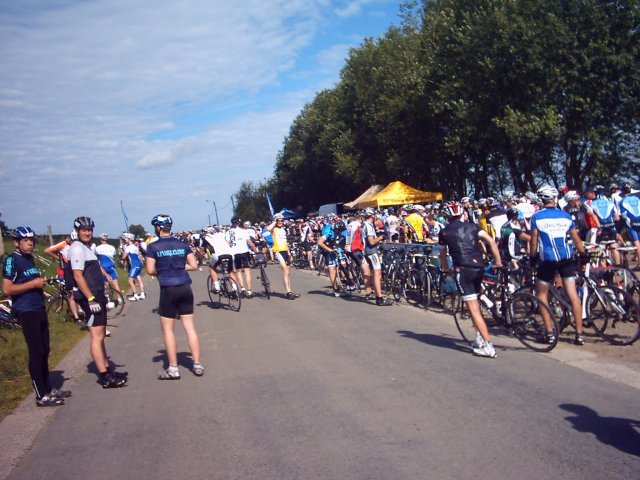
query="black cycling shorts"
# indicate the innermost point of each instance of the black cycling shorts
(241, 260)
(547, 270)
(217, 261)
(175, 301)
(469, 281)
(358, 256)
(94, 319)
(607, 235)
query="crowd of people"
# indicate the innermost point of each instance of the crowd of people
(546, 226)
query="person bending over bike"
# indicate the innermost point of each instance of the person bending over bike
(461, 240)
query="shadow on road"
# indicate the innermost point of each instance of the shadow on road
(57, 378)
(620, 433)
(437, 340)
(184, 359)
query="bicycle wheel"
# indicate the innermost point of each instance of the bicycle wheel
(526, 322)
(115, 302)
(414, 292)
(59, 307)
(265, 282)
(397, 284)
(462, 317)
(232, 294)
(8, 321)
(213, 296)
(427, 288)
(614, 315)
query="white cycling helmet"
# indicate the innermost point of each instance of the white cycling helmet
(547, 193)
(571, 195)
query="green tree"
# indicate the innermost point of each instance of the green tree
(137, 230)
(251, 202)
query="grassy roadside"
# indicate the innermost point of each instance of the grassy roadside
(15, 383)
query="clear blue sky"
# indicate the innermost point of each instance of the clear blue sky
(163, 105)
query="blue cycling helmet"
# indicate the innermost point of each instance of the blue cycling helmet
(23, 232)
(162, 220)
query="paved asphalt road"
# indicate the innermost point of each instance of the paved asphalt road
(326, 388)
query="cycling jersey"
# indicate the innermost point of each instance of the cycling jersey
(553, 226)
(462, 239)
(266, 234)
(510, 246)
(133, 253)
(238, 239)
(416, 222)
(280, 240)
(605, 210)
(219, 244)
(579, 216)
(392, 224)
(369, 231)
(354, 237)
(105, 254)
(329, 236)
(83, 258)
(21, 268)
(497, 218)
(630, 209)
(170, 255)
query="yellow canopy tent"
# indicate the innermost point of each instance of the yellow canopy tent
(397, 193)
(369, 192)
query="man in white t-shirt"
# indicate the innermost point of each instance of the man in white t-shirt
(241, 245)
(391, 226)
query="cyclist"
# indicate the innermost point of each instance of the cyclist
(496, 217)
(281, 252)
(106, 253)
(581, 213)
(630, 209)
(608, 217)
(415, 223)
(461, 239)
(327, 243)
(220, 250)
(512, 237)
(371, 240)
(550, 229)
(21, 279)
(60, 252)
(132, 253)
(89, 293)
(306, 241)
(241, 244)
(170, 259)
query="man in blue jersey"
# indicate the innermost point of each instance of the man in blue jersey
(607, 214)
(106, 253)
(132, 253)
(170, 259)
(630, 210)
(23, 281)
(551, 229)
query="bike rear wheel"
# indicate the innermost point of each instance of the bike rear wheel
(215, 298)
(462, 317)
(265, 282)
(414, 291)
(525, 320)
(59, 308)
(116, 299)
(232, 294)
(614, 315)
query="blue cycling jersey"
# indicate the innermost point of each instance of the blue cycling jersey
(21, 269)
(553, 226)
(604, 209)
(630, 209)
(170, 255)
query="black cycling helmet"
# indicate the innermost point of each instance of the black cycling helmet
(235, 220)
(339, 226)
(512, 214)
(83, 222)
(23, 232)
(162, 220)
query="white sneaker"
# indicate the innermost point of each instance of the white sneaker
(141, 296)
(486, 350)
(107, 333)
(478, 341)
(133, 298)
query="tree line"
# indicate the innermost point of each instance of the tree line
(470, 97)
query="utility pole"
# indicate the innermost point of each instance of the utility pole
(216, 209)
(233, 204)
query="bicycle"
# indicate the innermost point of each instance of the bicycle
(228, 292)
(7, 319)
(518, 313)
(261, 261)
